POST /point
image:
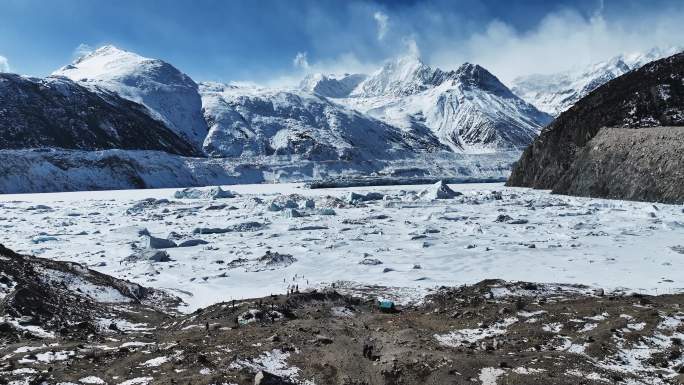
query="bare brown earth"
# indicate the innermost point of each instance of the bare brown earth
(523, 334)
(637, 164)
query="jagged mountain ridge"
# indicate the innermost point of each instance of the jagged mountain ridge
(170, 95)
(404, 76)
(248, 121)
(555, 93)
(616, 142)
(468, 109)
(57, 112)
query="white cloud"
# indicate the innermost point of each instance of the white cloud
(4, 64)
(382, 21)
(558, 41)
(561, 41)
(412, 47)
(82, 50)
(301, 61)
(344, 63)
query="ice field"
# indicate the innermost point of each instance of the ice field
(267, 238)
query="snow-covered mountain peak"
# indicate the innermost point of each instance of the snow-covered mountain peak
(405, 75)
(169, 94)
(474, 76)
(468, 109)
(108, 50)
(106, 62)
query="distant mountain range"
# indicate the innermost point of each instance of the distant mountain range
(406, 106)
(468, 110)
(402, 114)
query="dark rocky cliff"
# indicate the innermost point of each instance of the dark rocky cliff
(57, 112)
(564, 159)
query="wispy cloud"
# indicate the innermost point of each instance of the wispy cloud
(560, 41)
(82, 50)
(563, 38)
(382, 21)
(4, 64)
(301, 61)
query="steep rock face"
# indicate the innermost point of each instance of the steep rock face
(57, 112)
(651, 96)
(555, 93)
(170, 95)
(469, 109)
(644, 164)
(246, 121)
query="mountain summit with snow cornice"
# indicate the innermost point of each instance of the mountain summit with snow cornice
(170, 95)
(468, 109)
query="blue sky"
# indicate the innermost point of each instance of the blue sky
(258, 40)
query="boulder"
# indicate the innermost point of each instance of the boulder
(370, 261)
(292, 213)
(193, 242)
(503, 218)
(353, 197)
(374, 196)
(149, 255)
(151, 242)
(266, 378)
(274, 207)
(324, 340)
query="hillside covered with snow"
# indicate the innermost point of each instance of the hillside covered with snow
(253, 121)
(170, 95)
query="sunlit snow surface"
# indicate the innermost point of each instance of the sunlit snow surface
(611, 244)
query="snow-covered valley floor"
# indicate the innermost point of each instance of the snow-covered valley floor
(257, 246)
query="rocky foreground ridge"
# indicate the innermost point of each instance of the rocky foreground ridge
(63, 323)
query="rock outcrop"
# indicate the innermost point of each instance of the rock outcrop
(618, 142)
(58, 112)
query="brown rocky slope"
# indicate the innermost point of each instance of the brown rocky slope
(61, 323)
